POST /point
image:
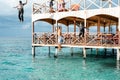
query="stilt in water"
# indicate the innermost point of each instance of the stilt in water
(56, 53)
(96, 52)
(105, 52)
(71, 51)
(33, 51)
(118, 54)
(91, 50)
(118, 64)
(113, 52)
(84, 53)
(49, 51)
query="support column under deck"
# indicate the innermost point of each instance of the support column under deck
(96, 51)
(71, 51)
(33, 51)
(49, 51)
(33, 32)
(84, 53)
(118, 54)
(33, 47)
(56, 53)
(98, 25)
(119, 26)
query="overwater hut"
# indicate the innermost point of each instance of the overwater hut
(100, 14)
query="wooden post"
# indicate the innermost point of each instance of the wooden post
(113, 51)
(33, 47)
(98, 25)
(85, 23)
(53, 26)
(71, 51)
(118, 64)
(116, 27)
(97, 52)
(84, 53)
(56, 53)
(67, 29)
(110, 4)
(109, 27)
(67, 26)
(105, 52)
(87, 27)
(100, 3)
(53, 29)
(84, 4)
(119, 27)
(104, 27)
(33, 51)
(57, 33)
(91, 50)
(118, 54)
(70, 5)
(74, 25)
(49, 51)
(32, 32)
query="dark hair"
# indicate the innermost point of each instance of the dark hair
(20, 2)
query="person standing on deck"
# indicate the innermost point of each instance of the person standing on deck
(82, 29)
(61, 5)
(21, 10)
(60, 39)
(51, 6)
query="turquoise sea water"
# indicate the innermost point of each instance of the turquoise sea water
(16, 63)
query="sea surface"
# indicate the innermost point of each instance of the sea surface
(17, 63)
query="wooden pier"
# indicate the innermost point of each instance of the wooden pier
(97, 13)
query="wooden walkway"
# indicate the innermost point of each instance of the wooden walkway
(101, 39)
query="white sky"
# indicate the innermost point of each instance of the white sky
(6, 6)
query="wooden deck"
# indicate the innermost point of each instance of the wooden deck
(105, 13)
(72, 40)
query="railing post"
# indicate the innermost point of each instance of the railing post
(110, 4)
(84, 53)
(32, 32)
(118, 54)
(119, 27)
(33, 51)
(100, 3)
(33, 9)
(118, 2)
(69, 5)
(84, 4)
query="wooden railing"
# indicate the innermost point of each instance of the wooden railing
(73, 5)
(100, 39)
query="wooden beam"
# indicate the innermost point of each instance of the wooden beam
(98, 25)
(104, 26)
(74, 25)
(109, 26)
(32, 32)
(119, 30)
(107, 18)
(116, 27)
(67, 26)
(53, 26)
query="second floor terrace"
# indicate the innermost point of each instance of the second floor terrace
(93, 13)
(52, 6)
